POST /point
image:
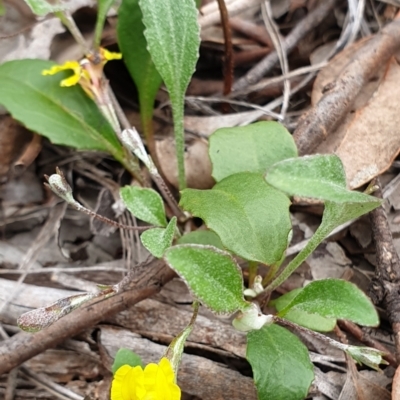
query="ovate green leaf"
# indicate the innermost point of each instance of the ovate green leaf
(250, 217)
(317, 176)
(145, 204)
(281, 365)
(311, 321)
(202, 237)
(64, 115)
(334, 298)
(251, 148)
(157, 240)
(2, 8)
(43, 7)
(211, 274)
(126, 357)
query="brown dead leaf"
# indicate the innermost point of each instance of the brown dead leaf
(372, 139)
(14, 140)
(367, 140)
(358, 387)
(197, 163)
(396, 385)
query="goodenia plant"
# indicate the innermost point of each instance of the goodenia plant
(247, 212)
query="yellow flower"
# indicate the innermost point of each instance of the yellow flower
(155, 382)
(88, 72)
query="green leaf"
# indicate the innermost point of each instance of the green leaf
(157, 240)
(173, 38)
(126, 357)
(281, 365)
(103, 6)
(251, 148)
(145, 204)
(317, 176)
(136, 56)
(311, 321)
(335, 298)
(42, 7)
(251, 217)
(2, 8)
(211, 274)
(64, 115)
(202, 237)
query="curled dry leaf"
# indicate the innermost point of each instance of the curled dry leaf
(197, 163)
(367, 140)
(23, 36)
(396, 385)
(359, 386)
(14, 141)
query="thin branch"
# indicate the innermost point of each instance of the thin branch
(228, 57)
(280, 50)
(144, 281)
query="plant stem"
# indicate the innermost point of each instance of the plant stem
(253, 267)
(177, 112)
(313, 243)
(270, 275)
(80, 207)
(228, 48)
(320, 336)
(169, 198)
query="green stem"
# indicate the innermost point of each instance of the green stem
(177, 112)
(315, 240)
(253, 268)
(169, 198)
(175, 349)
(270, 275)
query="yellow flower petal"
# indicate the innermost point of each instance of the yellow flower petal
(72, 80)
(108, 55)
(166, 367)
(57, 68)
(156, 382)
(128, 384)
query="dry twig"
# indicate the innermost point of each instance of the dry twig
(385, 287)
(144, 281)
(324, 117)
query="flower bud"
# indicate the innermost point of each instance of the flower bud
(59, 185)
(367, 355)
(131, 139)
(251, 319)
